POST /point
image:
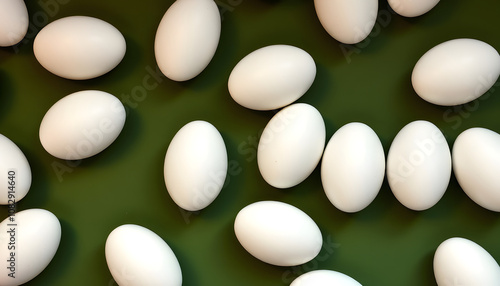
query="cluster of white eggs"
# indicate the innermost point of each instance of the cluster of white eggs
(353, 165)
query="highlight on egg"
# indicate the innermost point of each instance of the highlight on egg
(347, 21)
(278, 233)
(187, 38)
(291, 145)
(82, 124)
(30, 240)
(137, 256)
(460, 261)
(195, 165)
(456, 72)
(353, 167)
(476, 161)
(79, 47)
(419, 165)
(14, 22)
(17, 180)
(324, 278)
(271, 77)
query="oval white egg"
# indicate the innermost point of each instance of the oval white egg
(476, 161)
(411, 8)
(459, 261)
(353, 167)
(137, 256)
(79, 47)
(29, 242)
(291, 145)
(347, 21)
(419, 165)
(272, 77)
(14, 22)
(15, 179)
(82, 124)
(278, 233)
(187, 38)
(456, 72)
(195, 165)
(324, 278)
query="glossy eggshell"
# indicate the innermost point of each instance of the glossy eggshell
(456, 72)
(347, 21)
(476, 163)
(187, 38)
(324, 278)
(419, 165)
(137, 256)
(459, 261)
(278, 233)
(195, 165)
(79, 47)
(271, 77)
(13, 160)
(82, 124)
(412, 8)
(291, 145)
(14, 22)
(37, 233)
(353, 167)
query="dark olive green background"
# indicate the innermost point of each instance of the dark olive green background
(385, 244)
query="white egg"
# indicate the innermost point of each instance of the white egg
(15, 180)
(347, 21)
(353, 167)
(291, 145)
(476, 161)
(82, 124)
(412, 8)
(278, 233)
(419, 165)
(195, 165)
(79, 47)
(14, 22)
(28, 244)
(459, 261)
(456, 72)
(136, 256)
(272, 77)
(324, 278)
(187, 38)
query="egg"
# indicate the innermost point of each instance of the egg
(137, 256)
(324, 278)
(459, 261)
(411, 8)
(353, 167)
(82, 124)
(79, 47)
(419, 165)
(456, 72)
(291, 145)
(278, 233)
(14, 22)
(272, 77)
(29, 241)
(187, 38)
(16, 172)
(476, 161)
(347, 21)
(195, 165)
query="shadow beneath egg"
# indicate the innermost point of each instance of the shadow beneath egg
(39, 192)
(426, 270)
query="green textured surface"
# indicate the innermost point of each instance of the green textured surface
(385, 244)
